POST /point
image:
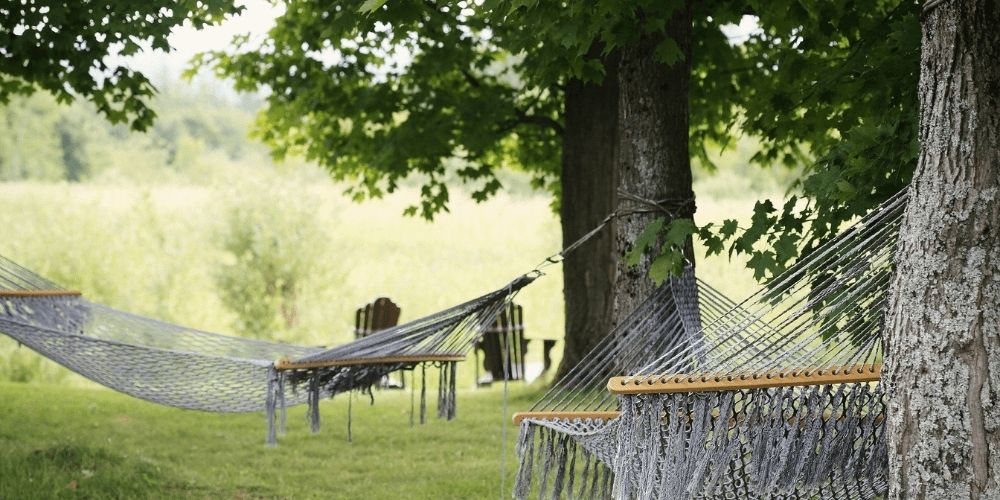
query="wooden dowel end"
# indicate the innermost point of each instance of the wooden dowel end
(661, 384)
(39, 293)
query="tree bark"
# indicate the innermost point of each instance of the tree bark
(943, 324)
(653, 160)
(588, 196)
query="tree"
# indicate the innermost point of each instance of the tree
(586, 195)
(826, 87)
(653, 159)
(69, 48)
(943, 351)
(273, 246)
(380, 92)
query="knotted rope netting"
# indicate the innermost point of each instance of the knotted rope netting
(566, 443)
(778, 397)
(193, 369)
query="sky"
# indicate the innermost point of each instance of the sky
(257, 18)
(186, 41)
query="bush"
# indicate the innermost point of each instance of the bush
(274, 249)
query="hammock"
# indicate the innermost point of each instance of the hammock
(778, 397)
(567, 424)
(192, 369)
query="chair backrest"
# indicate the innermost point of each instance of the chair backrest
(508, 327)
(382, 313)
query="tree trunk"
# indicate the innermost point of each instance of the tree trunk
(653, 161)
(588, 196)
(943, 337)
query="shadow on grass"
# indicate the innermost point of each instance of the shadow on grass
(77, 471)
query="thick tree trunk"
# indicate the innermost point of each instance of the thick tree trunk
(943, 343)
(653, 160)
(588, 196)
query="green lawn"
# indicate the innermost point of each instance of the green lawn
(94, 443)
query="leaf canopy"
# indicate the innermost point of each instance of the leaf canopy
(72, 49)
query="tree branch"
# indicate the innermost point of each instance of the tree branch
(541, 121)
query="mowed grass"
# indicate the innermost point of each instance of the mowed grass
(61, 442)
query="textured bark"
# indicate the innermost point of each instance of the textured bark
(943, 343)
(588, 196)
(653, 160)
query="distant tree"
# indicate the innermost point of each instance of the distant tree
(273, 247)
(73, 144)
(28, 148)
(42, 140)
(943, 348)
(69, 49)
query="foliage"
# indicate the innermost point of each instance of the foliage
(74, 49)
(409, 89)
(274, 249)
(559, 41)
(28, 146)
(384, 91)
(833, 88)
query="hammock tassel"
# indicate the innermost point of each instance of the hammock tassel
(282, 406)
(270, 403)
(525, 449)
(559, 464)
(313, 400)
(423, 394)
(545, 458)
(350, 404)
(446, 391)
(413, 395)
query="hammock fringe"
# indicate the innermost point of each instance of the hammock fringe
(562, 466)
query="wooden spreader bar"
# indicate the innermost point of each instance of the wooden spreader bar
(653, 384)
(39, 293)
(565, 415)
(284, 364)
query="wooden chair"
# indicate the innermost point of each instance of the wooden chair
(380, 314)
(507, 330)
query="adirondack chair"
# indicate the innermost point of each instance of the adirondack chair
(379, 315)
(382, 313)
(507, 330)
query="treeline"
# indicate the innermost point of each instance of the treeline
(196, 130)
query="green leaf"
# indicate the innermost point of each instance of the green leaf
(761, 263)
(679, 231)
(729, 227)
(713, 243)
(668, 52)
(665, 264)
(370, 6)
(785, 248)
(644, 241)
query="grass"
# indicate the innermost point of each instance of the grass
(153, 250)
(61, 442)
